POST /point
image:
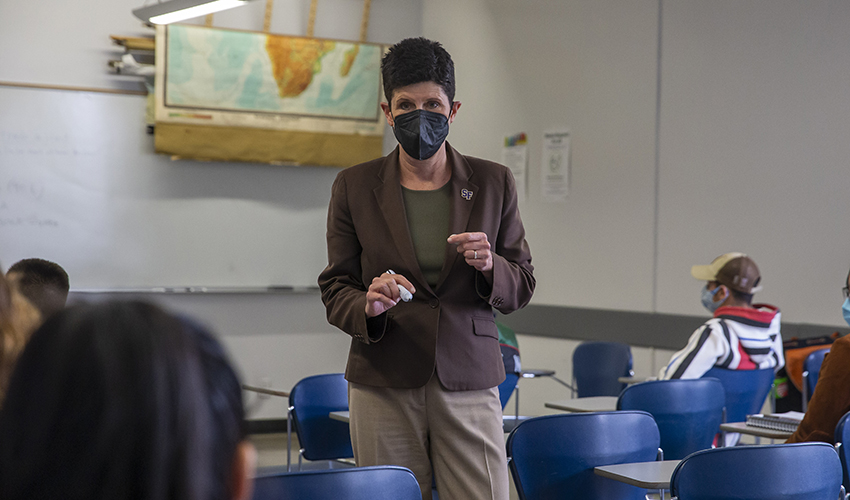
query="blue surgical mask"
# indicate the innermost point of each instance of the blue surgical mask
(708, 299)
(846, 310)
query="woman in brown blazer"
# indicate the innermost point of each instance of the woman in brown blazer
(423, 373)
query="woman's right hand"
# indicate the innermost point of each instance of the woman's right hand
(383, 293)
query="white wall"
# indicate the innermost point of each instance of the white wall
(755, 116)
(752, 150)
(589, 66)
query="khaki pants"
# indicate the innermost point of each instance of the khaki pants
(459, 433)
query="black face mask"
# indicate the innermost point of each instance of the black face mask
(421, 132)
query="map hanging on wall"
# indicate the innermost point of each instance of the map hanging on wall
(247, 96)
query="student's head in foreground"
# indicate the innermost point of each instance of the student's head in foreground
(123, 401)
(18, 319)
(43, 283)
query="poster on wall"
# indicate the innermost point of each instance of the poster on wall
(555, 167)
(515, 157)
(248, 96)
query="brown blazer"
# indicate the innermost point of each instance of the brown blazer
(450, 328)
(831, 399)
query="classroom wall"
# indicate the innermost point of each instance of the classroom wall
(739, 145)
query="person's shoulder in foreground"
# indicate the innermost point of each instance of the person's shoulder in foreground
(831, 399)
(123, 400)
(740, 335)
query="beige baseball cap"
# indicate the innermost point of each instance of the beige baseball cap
(734, 269)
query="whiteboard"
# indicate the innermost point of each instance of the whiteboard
(81, 186)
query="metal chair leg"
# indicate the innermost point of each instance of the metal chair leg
(289, 439)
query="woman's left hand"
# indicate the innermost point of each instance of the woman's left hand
(475, 250)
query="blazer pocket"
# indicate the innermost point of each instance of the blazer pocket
(485, 327)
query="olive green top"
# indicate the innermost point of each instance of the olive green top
(428, 219)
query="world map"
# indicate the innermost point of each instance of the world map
(256, 72)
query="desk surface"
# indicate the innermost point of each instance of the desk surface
(581, 405)
(635, 380)
(649, 475)
(342, 416)
(752, 430)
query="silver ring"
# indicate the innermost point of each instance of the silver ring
(475, 254)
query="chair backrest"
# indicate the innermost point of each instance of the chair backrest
(385, 482)
(800, 471)
(842, 441)
(598, 365)
(553, 457)
(811, 370)
(507, 387)
(687, 412)
(746, 390)
(311, 400)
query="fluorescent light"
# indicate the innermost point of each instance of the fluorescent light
(173, 11)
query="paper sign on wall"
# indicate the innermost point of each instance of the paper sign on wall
(515, 157)
(555, 167)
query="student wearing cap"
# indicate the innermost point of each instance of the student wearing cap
(740, 335)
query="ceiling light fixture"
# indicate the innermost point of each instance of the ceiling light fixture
(173, 11)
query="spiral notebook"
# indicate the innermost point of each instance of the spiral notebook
(786, 422)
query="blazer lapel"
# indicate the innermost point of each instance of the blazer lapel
(462, 197)
(388, 195)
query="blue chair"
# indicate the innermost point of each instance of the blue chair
(746, 390)
(385, 482)
(842, 441)
(800, 471)
(310, 402)
(598, 365)
(687, 412)
(811, 370)
(553, 457)
(507, 387)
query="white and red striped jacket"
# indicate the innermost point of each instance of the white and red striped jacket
(737, 338)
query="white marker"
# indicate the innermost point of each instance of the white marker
(404, 292)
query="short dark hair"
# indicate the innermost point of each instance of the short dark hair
(120, 400)
(43, 283)
(416, 60)
(741, 296)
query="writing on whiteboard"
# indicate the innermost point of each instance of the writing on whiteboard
(15, 196)
(32, 221)
(21, 144)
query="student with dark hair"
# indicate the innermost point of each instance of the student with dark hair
(122, 401)
(44, 283)
(18, 319)
(831, 399)
(425, 364)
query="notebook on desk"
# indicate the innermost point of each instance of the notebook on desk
(786, 422)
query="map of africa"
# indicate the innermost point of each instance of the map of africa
(256, 72)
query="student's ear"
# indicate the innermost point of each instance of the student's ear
(724, 292)
(243, 471)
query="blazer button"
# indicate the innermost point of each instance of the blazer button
(434, 303)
